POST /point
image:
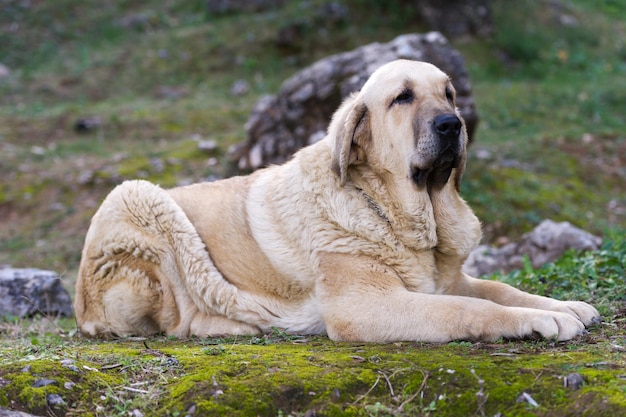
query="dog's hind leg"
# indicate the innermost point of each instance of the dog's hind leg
(144, 270)
(121, 289)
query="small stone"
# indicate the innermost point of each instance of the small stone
(38, 150)
(44, 382)
(240, 88)
(87, 124)
(74, 368)
(568, 20)
(4, 71)
(573, 381)
(171, 362)
(57, 206)
(136, 413)
(54, 399)
(192, 409)
(85, 177)
(157, 164)
(482, 154)
(207, 146)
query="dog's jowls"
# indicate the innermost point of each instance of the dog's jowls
(361, 236)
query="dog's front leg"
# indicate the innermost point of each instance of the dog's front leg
(457, 234)
(506, 295)
(364, 300)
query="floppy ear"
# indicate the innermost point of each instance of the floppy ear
(349, 129)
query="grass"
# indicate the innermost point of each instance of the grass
(549, 87)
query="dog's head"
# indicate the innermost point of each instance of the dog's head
(404, 121)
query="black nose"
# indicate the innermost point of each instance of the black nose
(448, 126)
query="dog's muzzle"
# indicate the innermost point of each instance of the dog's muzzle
(443, 155)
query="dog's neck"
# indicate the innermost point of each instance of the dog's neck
(408, 212)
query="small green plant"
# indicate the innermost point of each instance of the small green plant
(214, 350)
(461, 343)
(378, 410)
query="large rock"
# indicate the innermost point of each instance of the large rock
(237, 6)
(299, 114)
(5, 412)
(27, 292)
(546, 243)
(457, 18)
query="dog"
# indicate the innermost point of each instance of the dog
(360, 236)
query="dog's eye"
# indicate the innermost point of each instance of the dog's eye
(449, 95)
(405, 97)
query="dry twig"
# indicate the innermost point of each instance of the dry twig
(412, 397)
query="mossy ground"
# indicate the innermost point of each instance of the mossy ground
(280, 375)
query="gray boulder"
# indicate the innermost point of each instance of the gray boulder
(457, 18)
(28, 291)
(546, 243)
(4, 412)
(238, 6)
(299, 114)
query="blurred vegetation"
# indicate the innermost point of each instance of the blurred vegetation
(550, 87)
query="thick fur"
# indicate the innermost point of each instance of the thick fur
(361, 236)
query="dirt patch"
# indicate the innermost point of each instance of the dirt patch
(603, 157)
(603, 154)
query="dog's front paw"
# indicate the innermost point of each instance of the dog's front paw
(556, 325)
(584, 312)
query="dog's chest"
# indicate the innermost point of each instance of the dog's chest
(417, 270)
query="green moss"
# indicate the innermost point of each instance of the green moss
(75, 385)
(241, 378)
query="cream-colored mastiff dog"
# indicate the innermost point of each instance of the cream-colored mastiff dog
(361, 236)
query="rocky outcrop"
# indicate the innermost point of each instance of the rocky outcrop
(457, 18)
(546, 243)
(238, 6)
(26, 292)
(4, 412)
(299, 114)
